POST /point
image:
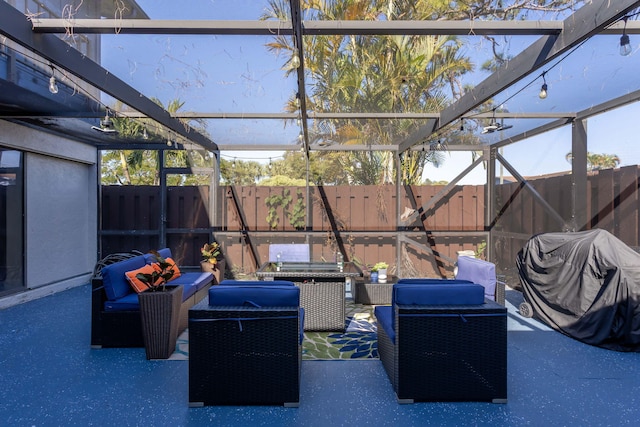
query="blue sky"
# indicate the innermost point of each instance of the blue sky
(225, 73)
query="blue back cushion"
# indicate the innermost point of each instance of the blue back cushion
(427, 281)
(115, 282)
(256, 296)
(164, 253)
(437, 294)
(478, 271)
(229, 282)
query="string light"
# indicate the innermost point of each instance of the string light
(53, 86)
(295, 59)
(625, 43)
(543, 89)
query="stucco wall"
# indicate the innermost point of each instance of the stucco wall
(60, 207)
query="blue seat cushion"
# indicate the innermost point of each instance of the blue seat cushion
(115, 282)
(188, 290)
(384, 318)
(199, 280)
(126, 303)
(230, 282)
(256, 296)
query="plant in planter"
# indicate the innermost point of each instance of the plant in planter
(163, 272)
(380, 272)
(160, 308)
(212, 260)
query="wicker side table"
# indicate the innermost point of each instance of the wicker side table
(373, 293)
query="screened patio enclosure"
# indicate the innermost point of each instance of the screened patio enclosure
(384, 91)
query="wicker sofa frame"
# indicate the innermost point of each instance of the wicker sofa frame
(124, 328)
(244, 355)
(447, 353)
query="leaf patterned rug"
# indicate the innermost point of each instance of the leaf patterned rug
(359, 341)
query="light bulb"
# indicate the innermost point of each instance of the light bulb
(145, 135)
(53, 86)
(295, 59)
(300, 136)
(543, 92)
(625, 45)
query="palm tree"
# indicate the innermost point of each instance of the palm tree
(598, 161)
(365, 73)
(141, 166)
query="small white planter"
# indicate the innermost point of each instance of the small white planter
(382, 275)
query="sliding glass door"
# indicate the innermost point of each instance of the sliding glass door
(11, 222)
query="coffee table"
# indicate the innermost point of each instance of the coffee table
(322, 290)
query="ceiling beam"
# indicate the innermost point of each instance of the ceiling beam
(587, 21)
(16, 27)
(612, 104)
(309, 28)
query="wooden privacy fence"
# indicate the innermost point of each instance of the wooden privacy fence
(353, 208)
(612, 204)
(365, 218)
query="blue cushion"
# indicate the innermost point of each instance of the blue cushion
(188, 290)
(200, 280)
(229, 282)
(432, 281)
(427, 281)
(257, 296)
(458, 294)
(384, 318)
(437, 294)
(301, 325)
(115, 282)
(126, 303)
(478, 271)
(164, 253)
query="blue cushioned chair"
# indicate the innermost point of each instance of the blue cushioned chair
(245, 345)
(443, 341)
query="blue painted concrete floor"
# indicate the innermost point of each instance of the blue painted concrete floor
(51, 377)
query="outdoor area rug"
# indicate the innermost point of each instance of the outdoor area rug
(359, 341)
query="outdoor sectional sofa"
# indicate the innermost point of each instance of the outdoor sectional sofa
(115, 310)
(442, 340)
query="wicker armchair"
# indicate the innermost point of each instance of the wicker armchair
(246, 348)
(444, 342)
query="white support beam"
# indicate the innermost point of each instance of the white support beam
(309, 28)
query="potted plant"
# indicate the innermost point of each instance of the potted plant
(212, 260)
(160, 309)
(380, 272)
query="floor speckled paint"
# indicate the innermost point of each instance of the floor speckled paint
(51, 377)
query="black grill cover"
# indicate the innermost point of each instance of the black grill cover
(585, 285)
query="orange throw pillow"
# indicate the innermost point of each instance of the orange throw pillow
(176, 270)
(137, 284)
